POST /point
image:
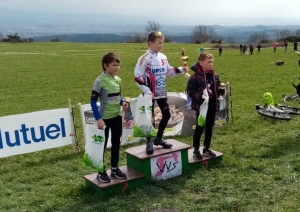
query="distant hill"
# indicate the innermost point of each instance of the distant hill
(106, 27)
(101, 38)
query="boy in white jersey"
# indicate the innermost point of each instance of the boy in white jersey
(150, 73)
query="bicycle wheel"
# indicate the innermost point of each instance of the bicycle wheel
(291, 98)
(274, 115)
(290, 110)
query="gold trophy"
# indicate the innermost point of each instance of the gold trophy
(184, 59)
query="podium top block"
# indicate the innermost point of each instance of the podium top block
(140, 151)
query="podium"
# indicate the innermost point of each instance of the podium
(161, 165)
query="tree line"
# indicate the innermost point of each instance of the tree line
(200, 34)
(203, 34)
(15, 38)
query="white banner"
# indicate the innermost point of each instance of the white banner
(31, 132)
(166, 166)
(90, 128)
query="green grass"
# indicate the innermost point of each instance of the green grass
(261, 163)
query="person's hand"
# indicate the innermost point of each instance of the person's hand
(125, 105)
(149, 93)
(185, 69)
(100, 124)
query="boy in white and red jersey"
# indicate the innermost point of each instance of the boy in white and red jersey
(151, 73)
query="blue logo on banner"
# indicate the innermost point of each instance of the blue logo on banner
(31, 134)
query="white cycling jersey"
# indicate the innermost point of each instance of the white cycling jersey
(151, 73)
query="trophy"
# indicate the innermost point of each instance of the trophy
(184, 59)
(127, 101)
(221, 90)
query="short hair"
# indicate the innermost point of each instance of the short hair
(153, 35)
(109, 58)
(205, 55)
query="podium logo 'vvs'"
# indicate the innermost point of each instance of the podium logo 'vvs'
(165, 165)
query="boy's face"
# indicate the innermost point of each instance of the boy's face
(157, 45)
(207, 64)
(112, 68)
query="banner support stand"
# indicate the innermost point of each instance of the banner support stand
(75, 145)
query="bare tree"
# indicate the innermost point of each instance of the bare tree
(152, 26)
(231, 39)
(284, 33)
(200, 34)
(263, 36)
(211, 33)
(254, 38)
(277, 34)
(260, 37)
(1, 36)
(297, 32)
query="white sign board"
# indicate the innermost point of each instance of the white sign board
(31, 132)
(166, 166)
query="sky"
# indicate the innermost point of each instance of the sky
(189, 12)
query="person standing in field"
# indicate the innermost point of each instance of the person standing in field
(182, 51)
(204, 78)
(295, 46)
(258, 48)
(251, 49)
(286, 43)
(241, 49)
(244, 49)
(275, 46)
(107, 88)
(150, 73)
(220, 50)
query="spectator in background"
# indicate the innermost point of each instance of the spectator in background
(220, 50)
(286, 43)
(244, 49)
(275, 46)
(251, 49)
(241, 49)
(182, 51)
(295, 46)
(258, 48)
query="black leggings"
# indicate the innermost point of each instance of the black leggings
(115, 124)
(166, 115)
(209, 124)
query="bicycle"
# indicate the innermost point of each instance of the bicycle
(272, 112)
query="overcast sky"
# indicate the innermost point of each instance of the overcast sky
(222, 12)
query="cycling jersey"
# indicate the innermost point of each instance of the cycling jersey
(108, 89)
(151, 72)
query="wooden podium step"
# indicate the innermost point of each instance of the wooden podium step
(163, 163)
(140, 151)
(134, 179)
(206, 161)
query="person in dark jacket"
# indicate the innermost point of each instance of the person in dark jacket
(241, 48)
(244, 49)
(220, 50)
(258, 48)
(251, 49)
(295, 46)
(204, 78)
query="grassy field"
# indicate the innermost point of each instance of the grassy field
(261, 163)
